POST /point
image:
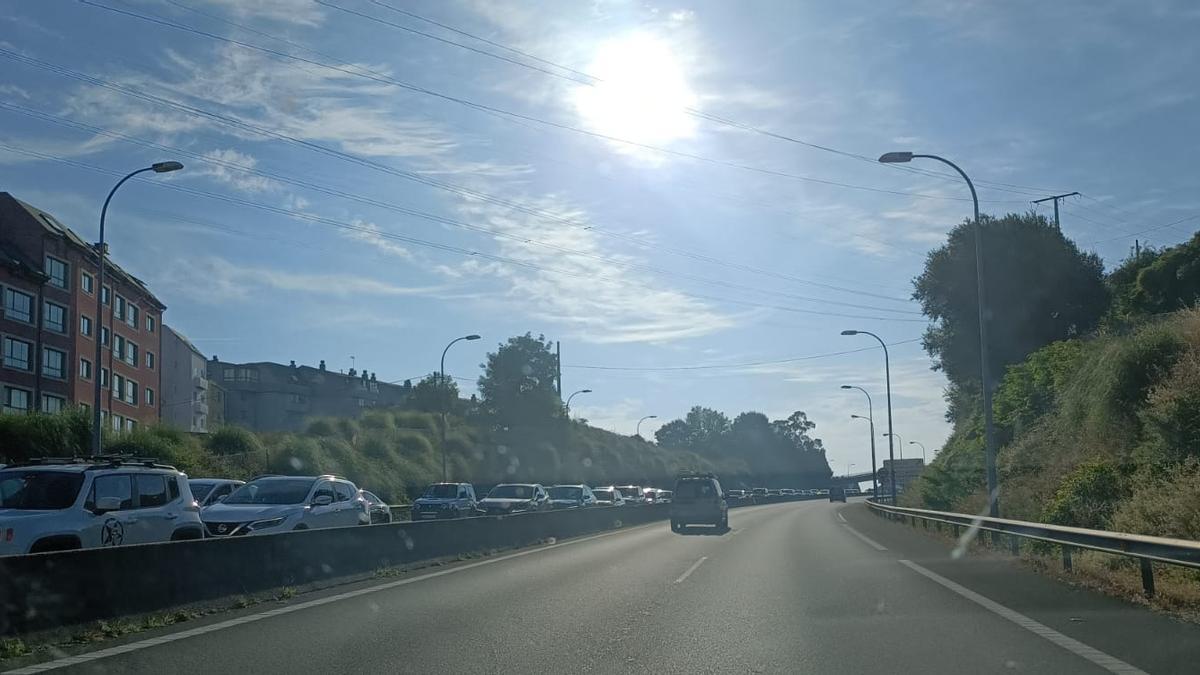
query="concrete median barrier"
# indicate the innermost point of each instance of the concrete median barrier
(52, 590)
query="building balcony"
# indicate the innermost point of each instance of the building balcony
(200, 383)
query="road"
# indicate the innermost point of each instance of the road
(791, 588)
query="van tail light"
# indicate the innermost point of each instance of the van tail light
(8, 534)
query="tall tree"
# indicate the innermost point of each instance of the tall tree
(430, 394)
(1040, 288)
(518, 383)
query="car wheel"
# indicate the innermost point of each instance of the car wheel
(675, 526)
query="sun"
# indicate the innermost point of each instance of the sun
(641, 94)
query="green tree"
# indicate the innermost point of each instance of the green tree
(1170, 281)
(430, 394)
(518, 383)
(1040, 288)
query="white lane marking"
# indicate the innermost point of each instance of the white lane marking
(1110, 663)
(251, 618)
(841, 517)
(870, 542)
(691, 569)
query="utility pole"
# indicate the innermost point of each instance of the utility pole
(1055, 198)
(558, 368)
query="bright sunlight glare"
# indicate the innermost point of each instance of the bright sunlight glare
(641, 94)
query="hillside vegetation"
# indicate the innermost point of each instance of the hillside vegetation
(1101, 430)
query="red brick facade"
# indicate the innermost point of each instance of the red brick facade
(40, 255)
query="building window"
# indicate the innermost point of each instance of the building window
(16, 400)
(229, 374)
(105, 295)
(118, 385)
(241, 374)
(131, 316)
(85, 369)
(150, 360)
(131, 392)
(16, 354)
(18, 306)
(149, 396)
(57, 271)
(119, 344)
(120, 311)
(85, 325)
(54, 363)
(53, 404)
(88, 282)
(150, 324)
(55, 317)
(131, 354)
(104, 335)
(130, 425)
(117, 422)
(103, 376)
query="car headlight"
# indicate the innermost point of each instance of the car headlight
(264, 524)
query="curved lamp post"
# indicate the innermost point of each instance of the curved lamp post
(870, 418)
(445, 398)
(887, 375)
(157, 167)
(638, 433)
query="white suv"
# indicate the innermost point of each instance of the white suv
(63, 504)
(283, 503)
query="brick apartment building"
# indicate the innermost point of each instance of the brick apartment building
(49, 324)
(273, 397)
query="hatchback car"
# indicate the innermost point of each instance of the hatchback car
(208, 491)
(378, 509)
(509, 498)
(445, 500)
(698, 499)
(633, 494)
(608, 496)
(571, 496)
(270, 504)
(62, 504)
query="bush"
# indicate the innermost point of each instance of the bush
(66, 434)
(1171, 418)
(1088, 497)
(233, 441)
(1168, 508)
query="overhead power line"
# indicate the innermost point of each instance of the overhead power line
(588, 79)
(747, 364)
(459, 190)
(1147, 230)
(391, 81)
(448, 248)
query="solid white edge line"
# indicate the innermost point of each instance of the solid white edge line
(230, 623)
(691, 569)
(870, 542)
(1110, 663)
(840, 516)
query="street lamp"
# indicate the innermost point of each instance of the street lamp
(887, 376)
(638, 433)
(922, 446)
(989, 442)
(901, 440)
(581, 391)
(157, 167)
(848, 465)
(870, 418)
(443, 395)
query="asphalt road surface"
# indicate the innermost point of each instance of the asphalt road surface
(791, 588)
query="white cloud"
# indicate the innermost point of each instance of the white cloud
(224, 165)
(215, 280)
(591, 291)
(279, 11)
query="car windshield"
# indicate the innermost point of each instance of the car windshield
(36, 490)
(565, 492)
(604, 495)
(371, 498)
(200, 489)
(630, 492)
(272, 491)
(694, 489)
(441, 491)
(511, 492)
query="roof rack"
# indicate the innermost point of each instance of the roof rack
(97, 461)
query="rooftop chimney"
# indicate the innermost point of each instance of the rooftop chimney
(321, 367)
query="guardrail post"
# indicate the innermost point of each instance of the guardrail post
(1147, 578)
(957, 531)
(1066, 552)
(1014, 544)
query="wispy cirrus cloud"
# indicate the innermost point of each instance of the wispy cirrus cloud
(215, 280)
(277, 11)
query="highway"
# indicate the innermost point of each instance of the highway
(791, 588)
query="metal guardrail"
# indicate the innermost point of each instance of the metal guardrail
(1147, 550)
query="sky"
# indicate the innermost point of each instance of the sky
(684, 194)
